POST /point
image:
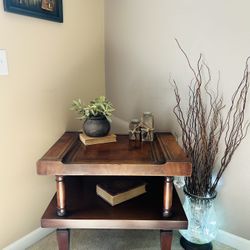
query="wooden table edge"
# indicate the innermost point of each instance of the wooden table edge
(45, 167)
(114, 224)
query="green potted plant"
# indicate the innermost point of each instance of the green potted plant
(208, 131)
(96, 115)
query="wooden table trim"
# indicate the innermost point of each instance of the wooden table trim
(45, 167)
(114, 224)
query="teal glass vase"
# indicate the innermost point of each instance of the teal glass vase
(202, 221)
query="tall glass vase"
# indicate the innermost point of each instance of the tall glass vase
(202, 222)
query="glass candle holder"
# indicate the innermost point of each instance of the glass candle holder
(147, 129)
(134, 130)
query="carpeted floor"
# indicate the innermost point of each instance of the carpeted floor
(114, 240)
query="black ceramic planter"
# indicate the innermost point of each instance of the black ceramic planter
(96, 126)
(187, 245)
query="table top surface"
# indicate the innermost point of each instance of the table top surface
(69, 156)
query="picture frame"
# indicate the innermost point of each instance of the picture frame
(45, 9)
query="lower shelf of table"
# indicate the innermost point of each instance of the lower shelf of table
(86, 210)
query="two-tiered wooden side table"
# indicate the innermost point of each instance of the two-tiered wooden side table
(78, 168)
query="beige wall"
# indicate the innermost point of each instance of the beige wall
(49, 65)
(141, 54)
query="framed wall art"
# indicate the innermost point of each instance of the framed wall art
(46, 9)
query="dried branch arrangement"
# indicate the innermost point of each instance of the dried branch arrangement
(204, 127)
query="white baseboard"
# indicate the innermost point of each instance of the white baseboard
(232, 240)
(29, 239)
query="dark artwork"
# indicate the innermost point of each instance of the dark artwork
(45, 9)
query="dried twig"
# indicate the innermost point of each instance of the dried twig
(203, 125)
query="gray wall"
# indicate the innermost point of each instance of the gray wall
(141, 56)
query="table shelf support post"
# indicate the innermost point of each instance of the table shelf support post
(60, 193)
(166, 239)
(63, 238)
(168, 196)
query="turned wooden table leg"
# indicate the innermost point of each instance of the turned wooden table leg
(63, 239)
(60, 188)
(166, 239)
(168, 196)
